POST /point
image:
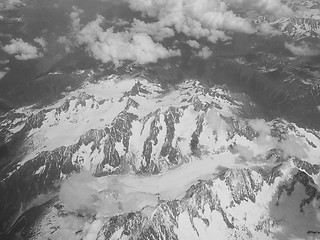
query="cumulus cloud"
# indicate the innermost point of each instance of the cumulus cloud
(69, 41)
(80, 193)
(110, 46)
(140, 41)
(204, 53)
(22, 50)
(193, 44)
(41, 41)
(75, 18)
(302, 50)
(197, 18)
(209, 18)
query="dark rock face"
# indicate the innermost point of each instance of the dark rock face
(243, 185)
(210, 204)
(250, 120)
(25, 183)
(279, 88)
(172, 116)
(143, 140)
(302, 28)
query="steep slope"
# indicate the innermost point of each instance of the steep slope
(236, 204)
(119, 126)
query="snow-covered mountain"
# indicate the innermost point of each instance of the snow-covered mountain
(236, 204)
(205, 127)
(303, 26)
(179, 162)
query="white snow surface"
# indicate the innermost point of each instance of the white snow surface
(64, 128)
(173, 183)
(105, 100)
(133, 193)
(118, 194)
(283, 221)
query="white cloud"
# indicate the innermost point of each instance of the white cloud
(197, 18)
(264, 141)
(2, 74)
(215, 122)
(294, 146)
(77, 194)
(140, 41)
(205, 53)
(271, 7)
(267, 29)
(260, 126)
(22, 50)
(193, 44)
(244, 152)
(302, 50)
(41, 42)
(69, 41)
(210, 18)
(109, 46)
(80, 193)
(75, 18)
(155, 30)
(64, 40)
(4, 61)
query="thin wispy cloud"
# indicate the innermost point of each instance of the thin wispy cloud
(302, 49)
(80, 193)
(273, 8)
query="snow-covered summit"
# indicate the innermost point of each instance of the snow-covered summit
(122, 129)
